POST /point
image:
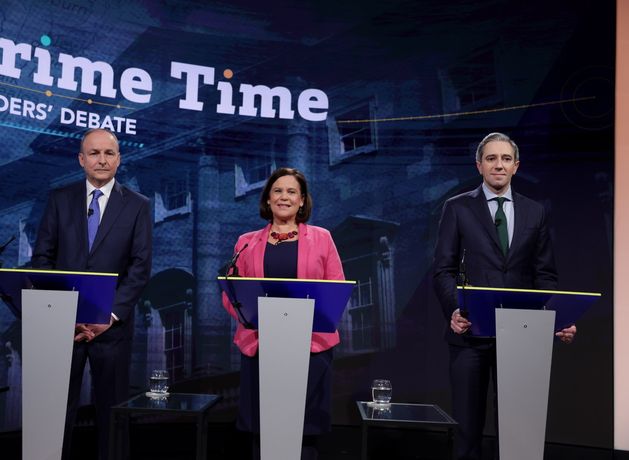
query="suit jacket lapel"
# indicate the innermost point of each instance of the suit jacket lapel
(484, 216)
(304, 244)
(520, 215)
(115, 204)
(81, 206)
(258, 249)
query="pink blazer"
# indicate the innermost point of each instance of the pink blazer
(317, 258)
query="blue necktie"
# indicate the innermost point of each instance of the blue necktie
(93, 217)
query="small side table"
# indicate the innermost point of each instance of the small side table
(397, 415)
(194, 405)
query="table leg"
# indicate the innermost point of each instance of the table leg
(449, 444)
(365, 443)
(202, 429)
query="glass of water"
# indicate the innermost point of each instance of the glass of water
(381, 391)
(158, 382)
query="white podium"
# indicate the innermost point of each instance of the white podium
(524, 322)
(50, 303)
(285, 312)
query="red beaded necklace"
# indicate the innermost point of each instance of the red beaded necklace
(279, 237)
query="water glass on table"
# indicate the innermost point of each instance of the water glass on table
(158, 382)
(381, 391)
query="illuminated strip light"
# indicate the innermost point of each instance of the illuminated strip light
(54, 272)
(472, 112)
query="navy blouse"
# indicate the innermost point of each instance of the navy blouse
(280, 260)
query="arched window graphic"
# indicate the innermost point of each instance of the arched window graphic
(168, 313)
(367, 248)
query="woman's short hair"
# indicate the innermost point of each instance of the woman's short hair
(304, 212)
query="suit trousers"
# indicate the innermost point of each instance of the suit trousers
(109, 365)
(470, 371)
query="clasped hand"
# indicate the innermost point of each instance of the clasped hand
(458, 323)
(88, 332)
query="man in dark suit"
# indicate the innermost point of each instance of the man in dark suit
(99, 225)
(506, 243)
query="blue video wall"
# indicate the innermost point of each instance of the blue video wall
(380, 104)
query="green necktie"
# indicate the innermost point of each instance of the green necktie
(501, 225)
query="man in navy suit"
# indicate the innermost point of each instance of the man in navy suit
(506, 243)
(99, 225)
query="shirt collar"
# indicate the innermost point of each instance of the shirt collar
(489, 195)
(106, 189)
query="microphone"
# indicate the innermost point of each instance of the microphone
(462, 279)
(498, 222)
(235, 303)
(462, 270)
(232, 263)
(90, 212)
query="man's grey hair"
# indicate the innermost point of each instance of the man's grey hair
(93, 130)
(496, 137)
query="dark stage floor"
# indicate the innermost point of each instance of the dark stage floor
(176, 441)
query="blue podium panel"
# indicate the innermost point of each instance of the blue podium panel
(481, 303)
(330, 297)
(96, 290)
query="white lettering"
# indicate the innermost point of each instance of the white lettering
(193, 72)
(67, 116)
(311, 99)
(42, 74)
(107, 123)
(15, 106)
(23, 107)
(135, 84)
(133, 80)
(226, 105)
(93, 120)
(81, 118)
(29, 109)
(9, 52)
(248, 107)
(41, 111)
(69, 64)
(84, 119)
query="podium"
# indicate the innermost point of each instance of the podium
(524, 322)
(49, 304)
(285, 312)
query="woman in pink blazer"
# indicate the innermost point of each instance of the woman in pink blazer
(287, 248)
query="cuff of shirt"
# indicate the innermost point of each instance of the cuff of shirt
(115, 317)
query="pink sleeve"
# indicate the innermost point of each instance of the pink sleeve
(333, 266)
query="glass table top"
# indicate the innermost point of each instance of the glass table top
(404, 413)
(172, 402)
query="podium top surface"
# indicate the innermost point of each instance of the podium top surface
(480, 303)
(96, 290)
(331, 297)
(532, 291)
(54, 272)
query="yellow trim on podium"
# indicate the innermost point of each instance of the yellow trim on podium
(480, 288)
(54, 272)
(286, 279)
